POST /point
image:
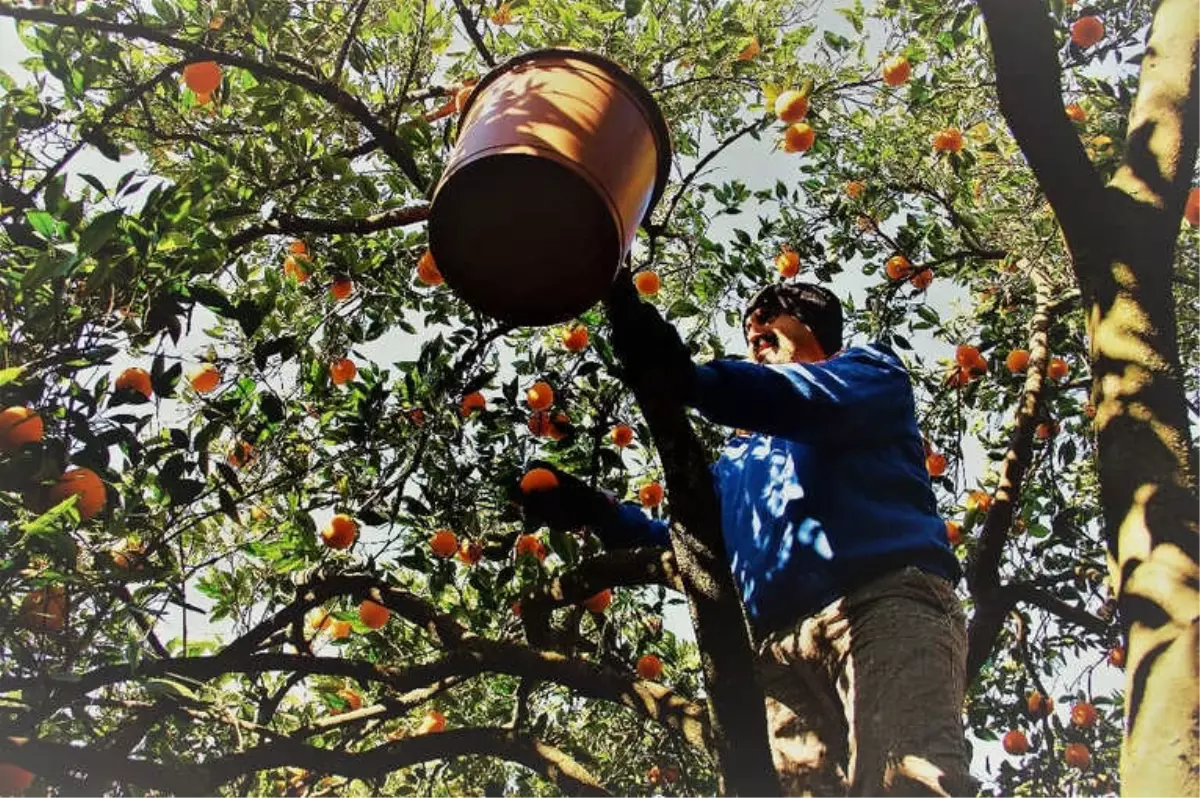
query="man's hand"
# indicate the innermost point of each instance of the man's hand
(569, 506)
(648, 344)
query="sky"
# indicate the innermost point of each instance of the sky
(754, 162)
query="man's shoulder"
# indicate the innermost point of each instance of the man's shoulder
(875, 352)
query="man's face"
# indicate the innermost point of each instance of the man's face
(782, 339)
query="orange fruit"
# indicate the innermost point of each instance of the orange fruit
(1046, 430)
(539, 396)
(1089, 409)
(898, 267)
(1116, 656)
(935, 464)
(340, 630)
(340, 532)
(654, 774)
(599, 602)
(204, 378)
(297, 247)
(1058, 368)
(529, 545)
(203, 77)
(798, 137)
(427, 270)
(19, 426)
(203, 99)
(502, 15)
(958, 377)
(319, 621)
(470, 552)
(1191, 211)
(922, 279)
(373, 615)
(1038, 705)
(292, 267)
(978, 500)
(14, 780)
(1086, 31)
(240, 454)
(443, 543)
(897, 71)
(434, 722)
(855, 189)
(44, 610)
(538, 480)
(342, 371)
(516, 608)
(84, 484)
(791, 106)
(1017, 361)
(622, 435)
(650, 494)
(647, 283)
(953, 533)
(788, 263)
(750, 50)
(1016, 743)
(1084, 715)
(472, 402)
(649, 667)
(1077, 755)
(1076, 113)
(341, 288)
(129, 556)
(948, 139)
(353, 700)
(575, 339)
(134, 379)
(967, 356)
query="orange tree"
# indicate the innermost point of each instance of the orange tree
(205, 625)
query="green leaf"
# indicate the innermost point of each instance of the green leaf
(99, 231)
(11, 373)
(43, 222)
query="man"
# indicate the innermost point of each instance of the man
(833, 536)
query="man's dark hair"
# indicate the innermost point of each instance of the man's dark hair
(813, 304)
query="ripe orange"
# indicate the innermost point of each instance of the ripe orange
(129, 556)
(958, 377)
(298, 247)
(1086, 31)
(1084, 715)
(1046, 430)
(502, 15)
(953, 533)
(529, 545)
(341, 288)
(791, 106)
(978, 500)
(203, 77)
(427, 270)
(898, 267)
(44, 610)
(650, 494)
(340, 630)
(134, 379)
(647, 283)
(434, 722)
(922, 279)
(855, 189)
(575, 339)
(319, 621)
(1016, 743)
(967, 356)
(750, 50)
(340, 532)
(353, 700)
(788, 263)
(373, 615)
(622, 435)
(1017, 361)
(19, 426)
(203, 99)
(1058, 368)
(1077, 755)
(948, 139)
(654, 774)
(599, 602)
(443, 543)
(799, 137)
(1076, 113)
(935, 464)
(343, 370)
(1191, 211)
(14, 780)
(897, 71)
(204, 378)
(472, 402)
(1038, 705)
(84, 484)
(1116, 657)
(292, 267)
(539, 396)
(649, 667)
(240, 454)
(470, 552)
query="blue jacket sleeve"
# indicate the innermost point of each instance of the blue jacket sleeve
(862, 394)
(632, 528)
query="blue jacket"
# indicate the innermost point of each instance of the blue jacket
(826, 491)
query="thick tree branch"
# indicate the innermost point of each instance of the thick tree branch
(653, 565)
(289, 224)
(472, 31)
(1029, 594)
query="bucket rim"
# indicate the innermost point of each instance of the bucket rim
(658, 122)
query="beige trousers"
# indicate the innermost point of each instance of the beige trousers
(865, 697)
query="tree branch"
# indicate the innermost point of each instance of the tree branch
(350, 35)
(286, 223)
(468, 22)
(1029, 594)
